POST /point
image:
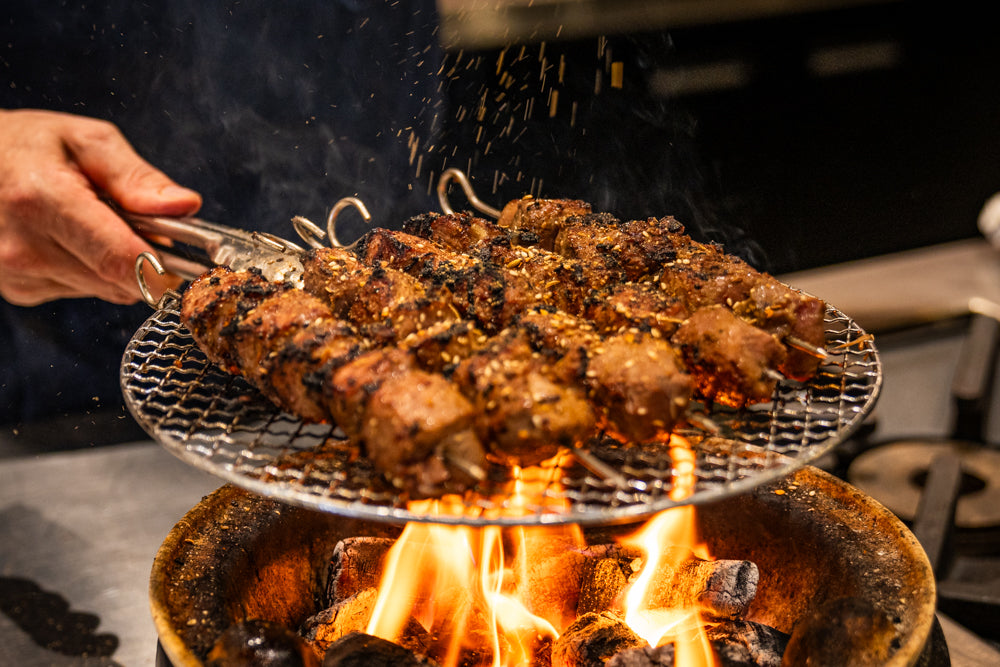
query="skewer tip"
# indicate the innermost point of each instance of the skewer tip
(774, 375)
(807, 347)
(599, 467)
(473, 470)
(705, 423)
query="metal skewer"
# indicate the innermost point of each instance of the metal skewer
(704, 422)
(473, 470)
(599, 467)
(774, 375)
(312, 234)
(140, 277)
(463, 180)
(331, 219)
(308, 231)
(807, 347)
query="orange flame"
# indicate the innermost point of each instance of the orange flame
(667, 540)
(459, 585)
(658, 540)
(455, 581)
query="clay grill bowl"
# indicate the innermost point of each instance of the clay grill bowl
(814, 538)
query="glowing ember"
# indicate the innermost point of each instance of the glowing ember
(492, 596)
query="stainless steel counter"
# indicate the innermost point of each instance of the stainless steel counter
(910, 288)
(81, 529)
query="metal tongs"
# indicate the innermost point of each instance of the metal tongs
(189, 246)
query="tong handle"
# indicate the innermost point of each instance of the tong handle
(190, 246)
(195, 244)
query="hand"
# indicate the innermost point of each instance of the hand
(57, 237)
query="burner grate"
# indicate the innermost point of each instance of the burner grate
(219, 423)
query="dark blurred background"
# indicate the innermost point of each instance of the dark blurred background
(799, 134)
(819, 131)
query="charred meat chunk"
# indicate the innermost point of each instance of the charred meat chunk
(731, 362)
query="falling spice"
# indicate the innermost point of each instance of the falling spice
(617, 74)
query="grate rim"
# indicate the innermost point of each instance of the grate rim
(221, 424)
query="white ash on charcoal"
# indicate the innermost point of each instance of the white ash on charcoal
(361, 650)
(592, 640)
(841, 632)
(739, 643)
(722, 589)
(747, 644)
(346, 616)
(645, 656)
(262, 643)
(352, 615)
(734, 643)
(356, 564)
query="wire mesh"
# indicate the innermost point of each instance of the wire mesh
(219, 423)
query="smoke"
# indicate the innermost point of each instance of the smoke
(269, 109)
(274, 110)
(579, 119)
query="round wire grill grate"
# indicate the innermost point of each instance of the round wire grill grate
(219, 423)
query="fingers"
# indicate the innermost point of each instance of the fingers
(105, 250)
(80, 264)
(72, 279)
(35, 290)
(38, 271)
(58, 238)
(110, 162)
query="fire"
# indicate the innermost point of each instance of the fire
(488, 592)
(664, 540)
(456, 583)
(667, 540)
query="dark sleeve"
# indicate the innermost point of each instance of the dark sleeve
(269, 109)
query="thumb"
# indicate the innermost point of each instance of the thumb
(112, 165)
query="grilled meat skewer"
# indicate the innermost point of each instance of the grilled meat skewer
(524, 411)
(411, 423)
(529, 410)
(635, 375)
(727, 361)
(218, 298)
(421, 349)
(489, 294)
(389, 305)
(588, 290)
(416, 427)
(515, 289)
(529, 386)
(658, 249)
(392, 307)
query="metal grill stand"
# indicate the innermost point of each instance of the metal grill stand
(219, 423)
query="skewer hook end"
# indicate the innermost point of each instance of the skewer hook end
(147, 295)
